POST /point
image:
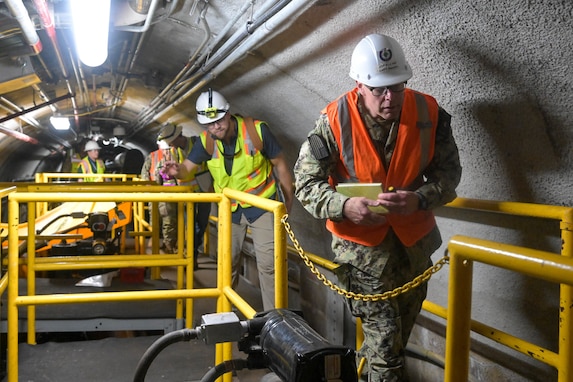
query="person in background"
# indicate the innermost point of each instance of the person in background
(167, 212)
(172, 135)
(91, 164)
(242, 154)
(381, 131)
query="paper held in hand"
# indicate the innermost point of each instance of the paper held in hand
(367, 190)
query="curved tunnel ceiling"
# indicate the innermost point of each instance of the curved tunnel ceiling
(160, 54)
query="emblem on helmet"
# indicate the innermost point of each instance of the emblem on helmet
(385, 54)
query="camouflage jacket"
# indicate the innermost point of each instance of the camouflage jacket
(312, 189)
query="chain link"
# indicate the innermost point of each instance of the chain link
(417, 281)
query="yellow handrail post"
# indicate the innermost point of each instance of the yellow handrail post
(565, 374)
(31, 272)
(281, 261)
(459, 317)
(224, 351)
(190, 255)
(12, 309)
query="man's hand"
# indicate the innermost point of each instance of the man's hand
(356, 210)
(170, 168)
(399, 202)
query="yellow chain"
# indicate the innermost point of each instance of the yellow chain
(417, 281)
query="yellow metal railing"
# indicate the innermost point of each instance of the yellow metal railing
(225, 295)
(458, 371)
(544, 265)
(47, 177)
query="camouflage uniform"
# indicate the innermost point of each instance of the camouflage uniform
(386, 324)
(167, 211)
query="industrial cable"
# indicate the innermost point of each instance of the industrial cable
(161, 343)
(224, 367)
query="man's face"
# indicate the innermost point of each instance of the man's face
(221, 129)
(383, 101)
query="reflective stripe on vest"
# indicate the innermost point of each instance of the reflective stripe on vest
(87, 169)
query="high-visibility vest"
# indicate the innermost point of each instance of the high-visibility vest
(252, 172)
(361, 162)
(86, 168)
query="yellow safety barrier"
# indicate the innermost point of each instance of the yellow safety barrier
(543, 265)
(547, 266)
(225, 295)
(562, 361)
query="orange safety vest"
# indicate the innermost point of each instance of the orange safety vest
(157, 159)
(414, 150)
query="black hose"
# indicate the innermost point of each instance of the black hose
(223, 368)
(156, 348)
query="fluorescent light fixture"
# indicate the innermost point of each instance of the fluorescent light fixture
(60, 123)
(90, 19)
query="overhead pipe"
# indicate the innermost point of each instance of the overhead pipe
(18, 135)
(285, 14)
(232, 43)
(31, 121)
(137, 40)
(36, 107)
(264, 13)
(269, 8)
(149, 19)
(11, 107)
(196, 62)
(48, 25)
(192, 64)
(239, 37)
(44, 96)
(126, 56)
(20, 13)
(157, 100)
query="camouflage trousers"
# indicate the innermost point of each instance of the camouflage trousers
(168, 214)
(386, 324)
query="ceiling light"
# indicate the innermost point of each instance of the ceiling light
(59, 122)
(90, 20)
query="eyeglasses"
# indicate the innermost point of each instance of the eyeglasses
(383, 90)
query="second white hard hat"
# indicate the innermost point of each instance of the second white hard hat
(378, 60)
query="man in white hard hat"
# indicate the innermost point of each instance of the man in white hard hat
(241, 154)
(172, 135)
(381, 132)
(91, 164)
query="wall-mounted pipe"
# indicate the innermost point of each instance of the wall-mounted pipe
(26, 111)
(268, 9)
(47, 23)
(283, 15)
(20, 13)
(148, 19)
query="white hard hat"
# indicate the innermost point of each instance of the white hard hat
(92, 145)
(169, 133)
(378, 60)
(211, 106)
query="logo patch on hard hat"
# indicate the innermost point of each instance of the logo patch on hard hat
(385, 54)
